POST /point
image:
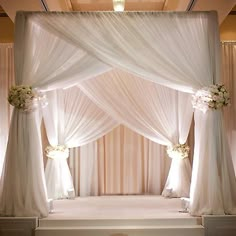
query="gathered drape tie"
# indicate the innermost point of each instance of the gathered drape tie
(178, 151)
(57, 152)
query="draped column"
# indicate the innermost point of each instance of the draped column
(179, 177)
(71, 119)
(6, 81)
(212, 167)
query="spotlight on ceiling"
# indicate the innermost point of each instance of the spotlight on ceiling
(118, 5)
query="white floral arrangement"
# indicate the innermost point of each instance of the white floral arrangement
(25, 98)
(179, 151)
(57, 152)
(212, 97)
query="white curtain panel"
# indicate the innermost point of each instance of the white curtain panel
(179, 178)
(210, 170)
(6, 81)
(229, 75)
(179, 50)
(41, 65)
(159, 113)
(49, 62)
(71, 119)
(121, 162)
(172, 49)
(23, 184)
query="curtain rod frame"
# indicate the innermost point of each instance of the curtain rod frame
(228, 41)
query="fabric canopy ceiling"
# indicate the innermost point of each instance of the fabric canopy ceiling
(59, 50)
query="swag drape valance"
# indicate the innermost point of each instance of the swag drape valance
(60, 50)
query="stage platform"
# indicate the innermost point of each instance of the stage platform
(119, 216)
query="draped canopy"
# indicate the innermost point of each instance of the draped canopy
(177, 50)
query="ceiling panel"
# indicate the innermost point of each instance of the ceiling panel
(107, 5)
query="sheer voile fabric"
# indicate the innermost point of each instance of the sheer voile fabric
(71, 119)
(6, 81)
(160, 114)
(229, 74)
(120, 162)
(55, 50)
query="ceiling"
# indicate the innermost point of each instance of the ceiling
(223, 7)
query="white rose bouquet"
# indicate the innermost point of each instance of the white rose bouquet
(56, 152)
(22, 97)
(213, 97)
(179, 151)
(25, 98)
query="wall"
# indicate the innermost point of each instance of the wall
(228, 28)
(6, 30)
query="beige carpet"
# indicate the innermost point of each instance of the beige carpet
(118, 207)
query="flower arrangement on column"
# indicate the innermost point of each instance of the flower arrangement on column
(178, 151)
(213, 97)
(56, 152)
(25, 98)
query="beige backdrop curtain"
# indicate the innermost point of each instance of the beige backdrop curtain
(229, 79)
(121, 162)
(6, 81)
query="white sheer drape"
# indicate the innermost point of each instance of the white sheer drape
(71, 119)
(6, 81)
(109, 39)
(229, 75)
(158, 113)
(179, 178)
(210, 170)
(119, 40)
(142, 106)
(121, 162)
(25, 186)
(40, 65)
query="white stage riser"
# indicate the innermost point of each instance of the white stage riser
(108, 231)
(161, 222)
(18, 226)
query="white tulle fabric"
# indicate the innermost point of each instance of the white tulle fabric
(127, 41)
(71, 119)
(213, 169)
(179, 178)
(47, 66)
(23, 185)
(229, 75)
(6, 81)
(141, 105)
(159, 113)
(94, 42)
